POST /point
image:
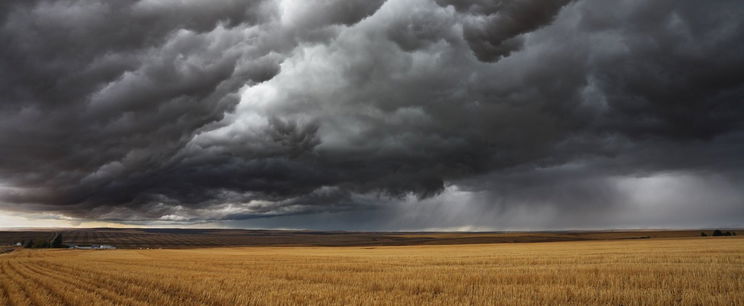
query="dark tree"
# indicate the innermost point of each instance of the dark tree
(28, 243)
(703, 234)
(56, 241)
(717, 233)
(40, 244)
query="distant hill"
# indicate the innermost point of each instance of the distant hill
(198, 238)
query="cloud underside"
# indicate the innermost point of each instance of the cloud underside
(188, 111)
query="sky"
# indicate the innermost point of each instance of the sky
(373, 115)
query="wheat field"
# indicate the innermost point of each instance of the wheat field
(690, 271)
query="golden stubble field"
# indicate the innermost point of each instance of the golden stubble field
(690, 271)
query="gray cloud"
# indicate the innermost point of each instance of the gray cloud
(495, 29)
(274, 111)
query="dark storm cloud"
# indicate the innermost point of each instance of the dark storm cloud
(98, 96)
(185, 111)
(494, 28)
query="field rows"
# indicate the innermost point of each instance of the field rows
(660, 272)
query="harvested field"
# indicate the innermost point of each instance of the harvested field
(691, 271)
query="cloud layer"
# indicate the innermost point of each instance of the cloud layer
(283, 111)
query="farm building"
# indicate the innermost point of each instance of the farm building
(93, 247)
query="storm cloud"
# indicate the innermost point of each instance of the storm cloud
(397, 114)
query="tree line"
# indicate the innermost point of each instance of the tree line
(54, 242)
(718, 233)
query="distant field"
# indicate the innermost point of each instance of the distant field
(691, 271)
(199, 238)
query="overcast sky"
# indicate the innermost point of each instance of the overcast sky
(372, 114)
